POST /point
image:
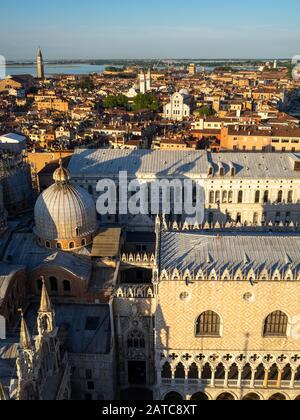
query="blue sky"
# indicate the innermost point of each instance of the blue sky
(150, 29)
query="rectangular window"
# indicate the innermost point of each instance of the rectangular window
(91, 386)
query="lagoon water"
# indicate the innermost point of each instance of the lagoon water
(52, 69)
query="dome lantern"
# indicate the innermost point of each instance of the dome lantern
(61, 175)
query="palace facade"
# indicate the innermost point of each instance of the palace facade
(240, 188)
(155, 308)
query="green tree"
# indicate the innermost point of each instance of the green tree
(146, 101)
(205, 111)
(115, 101)
(86, 83)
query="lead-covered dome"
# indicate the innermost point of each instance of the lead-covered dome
(65, 215)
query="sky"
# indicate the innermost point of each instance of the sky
(103, 29)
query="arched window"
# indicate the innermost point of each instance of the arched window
(208, 325)
(83, 242)
(266, 197)
(257, 197)
(59, 245)
(240, 197)
(48, 245)
(166, 372)
(220, 372)
(273, 373)
(247, 372)
(260, 373)
(136, 339)
(180, 371)
(67, 286)
(276, 325)
(224, 197)
(233, 373)
(230, 197)
(207, 372)
(218, 197)
(290, 197)
(72, 245)
(222, 171)
(211, 197)
(287, 373)
(53, 284)
(77, 231)
(280, 196)
(193, 372)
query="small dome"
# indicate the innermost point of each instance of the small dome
(184, 92)
(61, 174)
(65, 215)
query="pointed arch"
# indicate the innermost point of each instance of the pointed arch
(260, 372)
(220, 372)
(193, 371)
(233, 372)
(287, 373)
(247, 372)
(273, 373)
(166, 372)
(206, 372)
(180, 371)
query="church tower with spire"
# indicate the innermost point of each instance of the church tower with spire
(40, 65)
(148, 81)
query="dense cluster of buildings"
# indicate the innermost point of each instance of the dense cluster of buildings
(138, 306)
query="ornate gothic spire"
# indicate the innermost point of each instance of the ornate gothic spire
(25, 336)
(46, 305)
